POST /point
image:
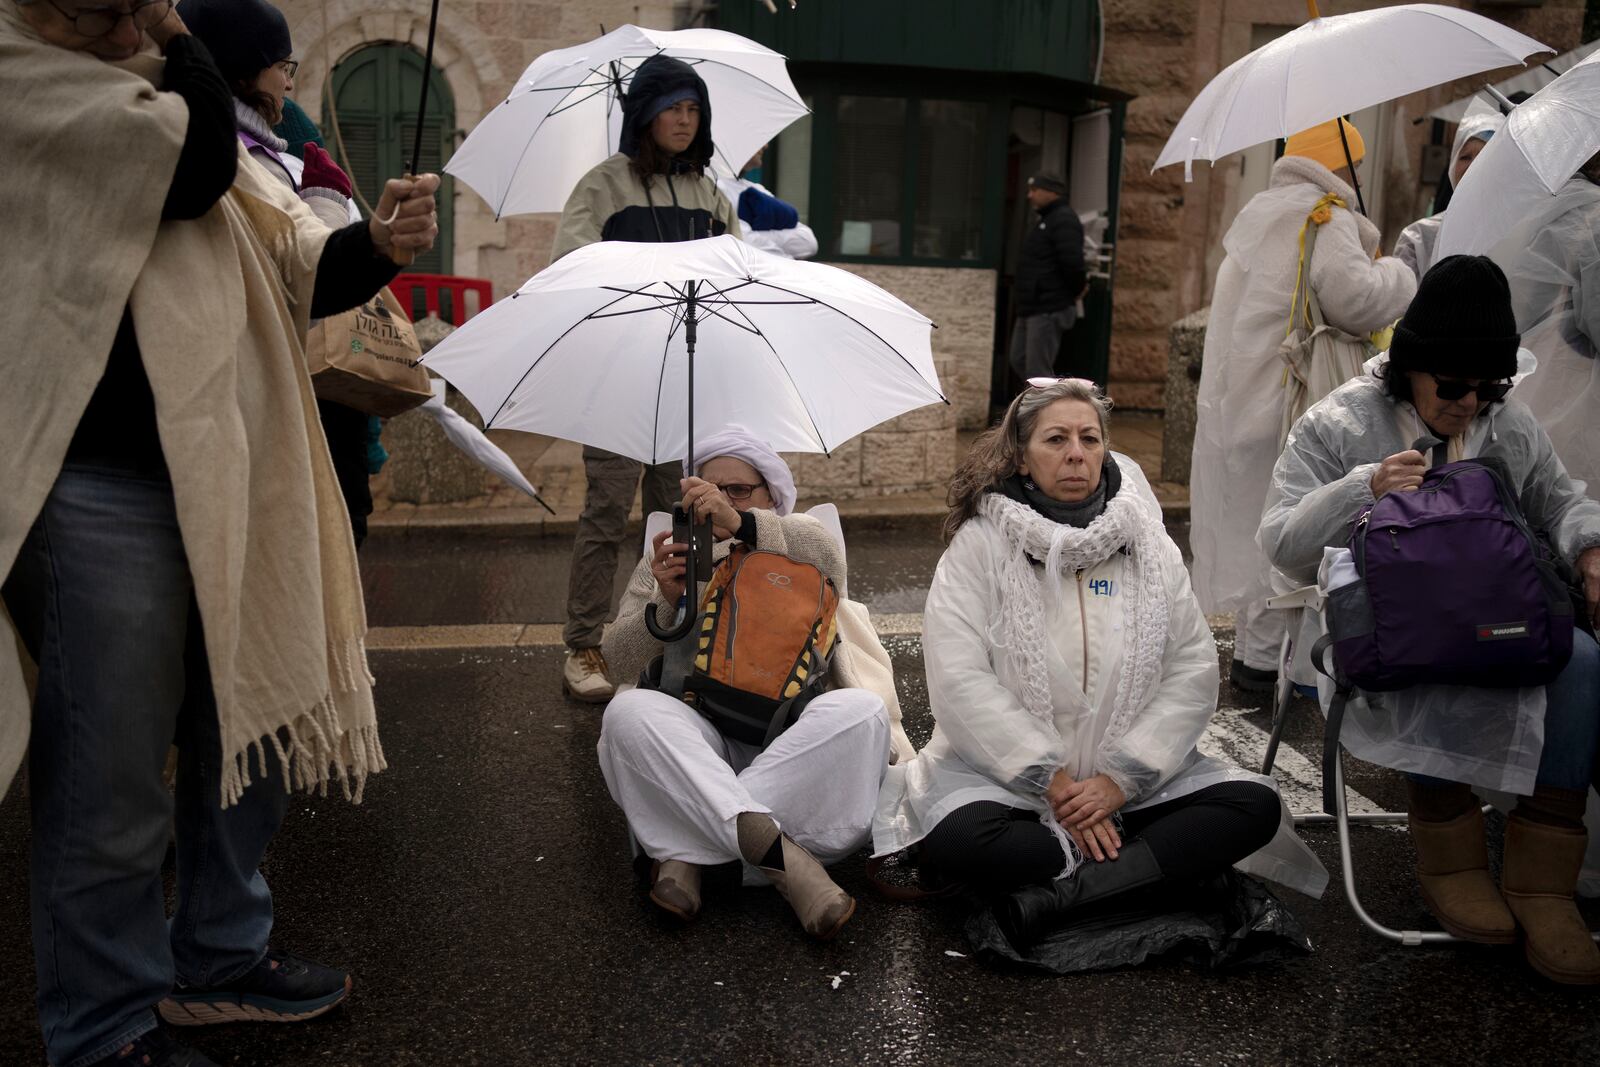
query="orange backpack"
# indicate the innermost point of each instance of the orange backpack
(767, 635)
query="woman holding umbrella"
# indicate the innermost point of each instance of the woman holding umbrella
(656, 188)
(1416, 245)
(1240, 407)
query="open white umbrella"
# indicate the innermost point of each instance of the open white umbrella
(1515, 178)
(1336, 65)
(597, 348)
(1529, 81)
(565, 113)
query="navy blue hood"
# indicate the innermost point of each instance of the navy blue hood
(656, 77)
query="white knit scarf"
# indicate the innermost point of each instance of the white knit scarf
(1066, 550)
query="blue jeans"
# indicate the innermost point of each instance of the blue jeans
(1571, 722)
(102, 597)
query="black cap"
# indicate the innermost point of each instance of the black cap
(1051, 183)
(245, 37)
(1460, 323)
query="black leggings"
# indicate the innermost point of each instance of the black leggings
(997, 846)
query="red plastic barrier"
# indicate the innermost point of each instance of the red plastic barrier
(432, 285)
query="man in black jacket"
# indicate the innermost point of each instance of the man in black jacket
(1050, 279)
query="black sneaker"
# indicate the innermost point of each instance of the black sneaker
(282, 988)
(1250, 679)
(155, 1049)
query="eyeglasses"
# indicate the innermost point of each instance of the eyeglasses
(1453, 389)
(288, 66)
(741, 490)
(99, 21)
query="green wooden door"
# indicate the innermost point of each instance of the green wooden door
(376, 90)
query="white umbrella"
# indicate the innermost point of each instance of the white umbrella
(597, 348)
(1334, 66)
(1546, 139)
(565, 113)
(1529, 81)
(477, 447)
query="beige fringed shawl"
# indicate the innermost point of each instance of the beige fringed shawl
(220, 305)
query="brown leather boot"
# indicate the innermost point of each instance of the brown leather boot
(675, 888)
(1540, 875)
(823, 908)
(1453, 872)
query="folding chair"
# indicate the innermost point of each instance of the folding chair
(1335, 807)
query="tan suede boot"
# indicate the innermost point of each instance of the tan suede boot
(1453, 873)
(1540, 875)
(823, 908)
(675, 888)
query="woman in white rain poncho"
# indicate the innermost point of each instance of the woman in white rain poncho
(1239, 412)
(1416, 244)
(1448, 367)
(1071, 673)
(1553, 262)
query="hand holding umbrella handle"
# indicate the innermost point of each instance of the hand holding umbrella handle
(409, 200)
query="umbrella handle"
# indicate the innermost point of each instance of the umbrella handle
(691, 581)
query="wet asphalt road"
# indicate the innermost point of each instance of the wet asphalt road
(483, 898)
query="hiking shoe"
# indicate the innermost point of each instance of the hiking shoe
(585, 677)
(282, 988)
(1251, 679)
(155, 1049)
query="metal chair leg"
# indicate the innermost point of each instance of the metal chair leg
(1281, 693)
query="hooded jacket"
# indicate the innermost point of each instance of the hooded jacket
(612, 203)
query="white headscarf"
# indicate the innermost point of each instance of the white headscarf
(740, 443)
(1481, 122)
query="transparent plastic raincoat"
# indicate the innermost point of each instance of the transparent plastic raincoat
(1239, 411)
(1552, 261)
(1489, 738)
(987, 746)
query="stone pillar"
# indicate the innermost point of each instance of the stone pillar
(424, 467)
(1186, 345)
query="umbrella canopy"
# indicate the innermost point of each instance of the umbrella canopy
(1334, 66)
(595, 348)
(565, 114)
(1546, 139)
(1529, 81)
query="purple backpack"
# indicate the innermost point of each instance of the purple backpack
(1455, 589)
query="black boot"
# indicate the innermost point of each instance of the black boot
(1029, 913)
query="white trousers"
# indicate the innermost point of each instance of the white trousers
(682, 785)
(1258, 635)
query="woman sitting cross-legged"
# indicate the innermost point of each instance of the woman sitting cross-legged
(693, 796)
(1071, 673)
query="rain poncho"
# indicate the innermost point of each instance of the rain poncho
(1416, 245)
(1240, 405)
(1489, 738)
(1552, 261)
(988, 745)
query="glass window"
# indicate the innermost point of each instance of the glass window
(869, 176)
(950, 149)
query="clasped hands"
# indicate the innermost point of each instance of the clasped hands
(1084, 809)
(668, 559)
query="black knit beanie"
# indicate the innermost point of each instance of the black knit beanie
(1460, 324)
(245, 37)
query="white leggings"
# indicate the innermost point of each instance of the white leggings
(681, 784)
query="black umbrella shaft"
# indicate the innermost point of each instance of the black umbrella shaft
(690, 326)
(427, 76)
(1354, 183)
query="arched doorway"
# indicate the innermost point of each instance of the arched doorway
(375, 91)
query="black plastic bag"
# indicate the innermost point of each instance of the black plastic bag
(1228, 921)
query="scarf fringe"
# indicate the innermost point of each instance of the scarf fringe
(1072, 855)
(314, 749)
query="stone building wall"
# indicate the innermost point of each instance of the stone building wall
(481, 48)
(1166, 53)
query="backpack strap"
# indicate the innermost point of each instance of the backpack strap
(1330, 732)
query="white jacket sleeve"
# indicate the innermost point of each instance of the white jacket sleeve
(1358, 294)
(1550, 498)
(797, 242)
(984, 722)
(1167, 729)
(1311, 502)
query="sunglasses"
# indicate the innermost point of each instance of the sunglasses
(740, 490)
(1451, 389)
(1045, 383)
